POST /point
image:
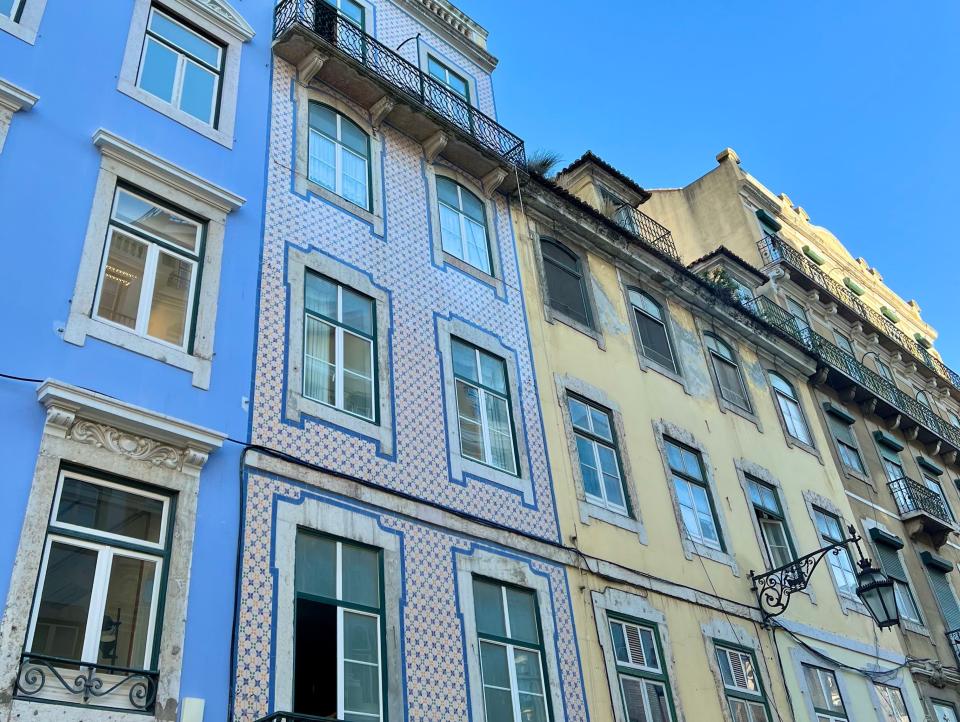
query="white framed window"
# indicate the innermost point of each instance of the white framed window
(772, 522)
(699, 516)
(450, 79)
(790, 410)
(726, 371)
(944, 712)
(12, 9)
(892, 705)
(352, 11)
(21, 18)
(884, 370)
(598, 455)
(339, 346)
(181, 66)
(338, 598)
(844, 343)
(841, 564)
(511, 652)
(339, 155)
(799, 314)
(644, 686)
(825, 694)
(655, 341)
(99, 591)
(463, 224)
(148, 278)
(742, 686)
(845, 440)
(484, 410)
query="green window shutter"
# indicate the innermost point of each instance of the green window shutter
(887, 441)
(842, 431)
(839, 413)
(945, 599)
(922, 340)
(855, 288)
(769, 221)
(814, 256)
(890, 562)
(890, 314)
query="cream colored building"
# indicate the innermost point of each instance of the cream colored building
(688, 449)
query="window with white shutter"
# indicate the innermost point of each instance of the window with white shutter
(644, 686)
(742, 686)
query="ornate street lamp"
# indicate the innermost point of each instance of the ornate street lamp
(875, 589)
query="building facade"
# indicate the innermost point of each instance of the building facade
(132, 137)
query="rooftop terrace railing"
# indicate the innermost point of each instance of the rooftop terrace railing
(639, 224)
(774, 249)
(339, 32)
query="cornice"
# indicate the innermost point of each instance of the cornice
(14, 98)
(224, 15)
(454, 26)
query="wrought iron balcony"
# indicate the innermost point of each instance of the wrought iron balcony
(63, 680)
(953, 637)
(922, 510)
(774, 249)
(642, 226)
(844, 371)
(295, 717)
(381, 80)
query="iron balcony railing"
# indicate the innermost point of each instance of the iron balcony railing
(913, 496)
(774, 249)
(849, 366)
(44, 677)
(953, 637)
(295, 717)
(650, 232)
(323, 20)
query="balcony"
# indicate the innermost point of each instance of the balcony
(922, 511)
(650, 232)
(324, 44)
(954, 638)
(774, 250)
(52, 679)
(855, 382)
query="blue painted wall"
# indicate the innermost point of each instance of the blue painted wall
(48, 170)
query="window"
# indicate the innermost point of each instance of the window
(727, 372)
(924, 400)
(741, 291)
(844, 343)
(892, 465)
(339, 346)
(622, 213)
(799, 313)
(934, 486)
(884, 370)
(652, 329)
(598, 455)
(181, 67)
(772, 521)
(790, 409)
(483, 407)
(742, 685)
(339, 155)
(954, 419)
(352, 11)
(825, 694)
(148, 276)
(892, 706)
(846, 442)
(103, 570)
(693, 495)
(644, 686)
(830, 531)
(448, 78)
(944, 712)
(511, 652)
(888, 557)
(463, 225)
(12, 9)
(566, 286)
(946, 599)
(338, 668)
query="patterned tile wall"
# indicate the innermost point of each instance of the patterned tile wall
(401, 262)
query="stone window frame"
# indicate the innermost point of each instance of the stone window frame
(489, 563)
(100, 433)
(814, 500)
(12, 99)
(800, 657)
(551, 314)
(296, 405)
(869, 524)
(426, 50)
(745, 468)
(791, 440)
(28, 25)
(443, 259)
(565, 385)
(123, 162)
(726, 406)
(349, 522)
(636, 607)
(302, 185)
(217, 20)
(663, 428)
(843, 468)
(899, 683)
(461, 467)
(727, 633)
(647, 364)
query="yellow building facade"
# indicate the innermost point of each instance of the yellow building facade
(688, 450)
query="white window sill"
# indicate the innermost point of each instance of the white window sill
(477, 273)
(185, 119)
(555, 316)
(707, 552)
(80, 326)
(589, 510)
(299, 405)
(315, 189)
(18, 30)
(478, 470)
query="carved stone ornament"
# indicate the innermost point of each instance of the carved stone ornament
(121, 442)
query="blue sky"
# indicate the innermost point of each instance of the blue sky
(850, 108)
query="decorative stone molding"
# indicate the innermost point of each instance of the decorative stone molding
(12, 99)
(454, 26)
(93, 419)
(225, 16)
(308, 68)
(434, 145)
